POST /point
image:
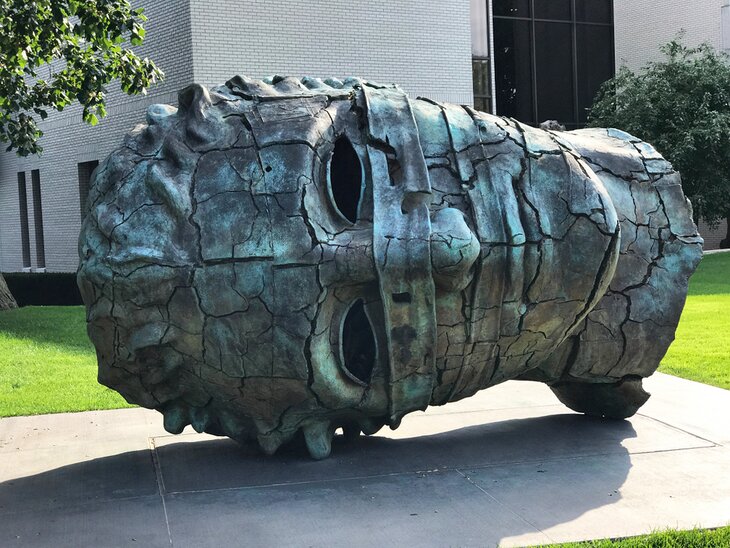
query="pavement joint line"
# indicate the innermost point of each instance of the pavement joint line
(505, 506)
(680, 429)
(79, 504)
(457, 468)
(679, 449)
(307, 482)
(160, 483)
(578, 457)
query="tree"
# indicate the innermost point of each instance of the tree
(682, 106)
(6, 298)
(81, 46)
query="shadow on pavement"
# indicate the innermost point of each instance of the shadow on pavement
(560, 465)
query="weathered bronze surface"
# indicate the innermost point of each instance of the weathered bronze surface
(284, 256)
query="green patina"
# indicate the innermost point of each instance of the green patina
(293, 256)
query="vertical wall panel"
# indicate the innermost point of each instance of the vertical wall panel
(40, 246)
(23, 211)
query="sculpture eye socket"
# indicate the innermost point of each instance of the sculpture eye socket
(357, 344)
(344, 179)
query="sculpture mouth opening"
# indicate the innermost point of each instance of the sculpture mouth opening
(345, 177)
(357, 344)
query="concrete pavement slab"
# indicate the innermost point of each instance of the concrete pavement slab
(605, 496)
(415, 509)
(691, 406)
(136, 522)
(122, 476)
(444, 442)
(72, 429)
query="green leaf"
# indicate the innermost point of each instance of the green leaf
(35, 33)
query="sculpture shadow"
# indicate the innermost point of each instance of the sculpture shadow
(523, 463)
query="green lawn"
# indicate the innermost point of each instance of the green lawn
(701, 351)
(48, 365)
(698, 538)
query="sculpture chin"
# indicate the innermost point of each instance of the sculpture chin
(287, 257)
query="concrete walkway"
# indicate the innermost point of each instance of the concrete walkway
(510, 466)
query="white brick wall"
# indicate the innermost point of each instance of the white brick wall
(68, 141)
(641, 26)
(424, 46)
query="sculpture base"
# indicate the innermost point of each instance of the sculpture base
(618, 400)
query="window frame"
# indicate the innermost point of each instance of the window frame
(574, 24)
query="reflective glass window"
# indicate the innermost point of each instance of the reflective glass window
(553, 9)
(595, 63)
(482, 89)
(513, 63)
(593, 11)
(551, 57)
(554, 67)
(511, 8)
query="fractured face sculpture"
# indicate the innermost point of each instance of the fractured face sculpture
(294, 256)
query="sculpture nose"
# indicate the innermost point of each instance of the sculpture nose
(348, 259)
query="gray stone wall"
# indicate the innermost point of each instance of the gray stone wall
(68, 141)
(423, 46)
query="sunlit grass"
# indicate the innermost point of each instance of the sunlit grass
(48, 365)
(701, 350)
(697, 538)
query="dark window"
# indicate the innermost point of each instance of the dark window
(40, 248)
(595, 63)
(551, 57)
(553, 9)
(512, 8)
(554, 72)
(594, 11)
(513, 84)
(86, 169)
(24, 230)
(481, 68)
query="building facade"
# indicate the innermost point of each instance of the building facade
(549, 57)
(534, 60)
(424, 46)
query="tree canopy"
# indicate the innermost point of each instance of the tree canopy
(55, 52)
(681, 105)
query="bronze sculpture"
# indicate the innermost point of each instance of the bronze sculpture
(281, 256)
